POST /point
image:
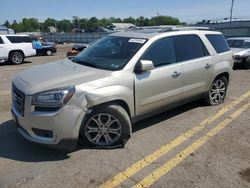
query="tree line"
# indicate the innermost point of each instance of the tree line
(66, 25)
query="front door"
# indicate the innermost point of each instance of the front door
(162, 85)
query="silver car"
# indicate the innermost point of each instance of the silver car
(241, 49)
(118, 80)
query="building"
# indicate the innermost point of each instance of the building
(120, 26)
(236, 28)
(52, 29)
(5, 30)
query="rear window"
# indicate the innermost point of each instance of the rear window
(19, 39)
(190, 47)
(219, 43)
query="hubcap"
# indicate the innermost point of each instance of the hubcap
(17, 58)
(49, 53)
(103, 129)
(218, 91)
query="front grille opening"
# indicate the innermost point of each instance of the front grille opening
(18, 99)
(43, 133)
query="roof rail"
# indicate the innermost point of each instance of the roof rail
(183, 28)
(162, 29)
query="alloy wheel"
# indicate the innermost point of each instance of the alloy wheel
(103, 129)
(218, 91)
(17, 58)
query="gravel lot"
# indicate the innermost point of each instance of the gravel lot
(218, 155)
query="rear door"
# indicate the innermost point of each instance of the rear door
(23, 43)
(3, 53)
(162, 85)
(196, 62)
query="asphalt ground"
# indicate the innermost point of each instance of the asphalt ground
(190, 146)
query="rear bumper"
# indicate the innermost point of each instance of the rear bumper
(30, 53)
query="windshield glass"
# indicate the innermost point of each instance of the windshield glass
(110, 53)
(239, 43)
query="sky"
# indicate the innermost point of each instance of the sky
(186, 10)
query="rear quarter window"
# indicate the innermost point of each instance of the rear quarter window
(19, 39)
(218, 42)
(1, 40)
(190, 47)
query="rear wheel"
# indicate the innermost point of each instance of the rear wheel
(106, 126)
(217, 92)
(16, 57)
(49, 52)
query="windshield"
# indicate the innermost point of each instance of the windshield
(110, 53)
(239, 43)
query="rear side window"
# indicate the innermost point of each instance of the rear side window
(1, 40)
(19, 39)
(219, 43)
(162, 52)
(190, 47)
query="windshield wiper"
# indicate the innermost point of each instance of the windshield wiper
(86, 63)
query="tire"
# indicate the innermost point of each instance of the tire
(247, 63)
(217, 92)
(106, 127)
(49, 53)
(16, 57)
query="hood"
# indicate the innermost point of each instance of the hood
(241, 51)
(58, 74)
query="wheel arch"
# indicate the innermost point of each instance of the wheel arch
(17, 50)
(119, 102)
(226, 74)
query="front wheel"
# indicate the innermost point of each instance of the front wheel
(106, 127)
(217, 92)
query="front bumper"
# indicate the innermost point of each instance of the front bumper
(63, 125)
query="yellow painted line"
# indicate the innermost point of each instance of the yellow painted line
(136, 167)
(5, 92)
(169, 165)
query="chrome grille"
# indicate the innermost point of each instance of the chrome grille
(18, 99)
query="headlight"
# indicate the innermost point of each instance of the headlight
(53, 98)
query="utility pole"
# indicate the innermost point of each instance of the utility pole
(78, 21)
(231, 12)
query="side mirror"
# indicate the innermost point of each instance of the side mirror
(144, 65)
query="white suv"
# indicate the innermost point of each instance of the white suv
(15, 48)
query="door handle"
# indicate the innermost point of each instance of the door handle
(176, 74)
(207, 66)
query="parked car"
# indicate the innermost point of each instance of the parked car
(117, 81)
(76, 49)
(43, 48)
(15, 48)
(241, 49)
(96, 30)
(59, 42)
(46, 49)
